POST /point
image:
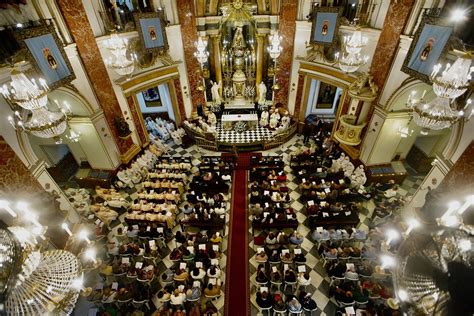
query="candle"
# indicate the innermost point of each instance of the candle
(423, 95)
(466, 205)
(66, 228)
(83, 236)
(392, 234)
(412, 223)
(452, 206)
(6, 206)
(90, 254)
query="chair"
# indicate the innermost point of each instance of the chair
(310, 310)
(296, 313)
(291, 284)
(260, 284)
(277, 284)
(279, 313)
(263, 309)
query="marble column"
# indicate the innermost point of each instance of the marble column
(386, 49)
(18, 184)
(189, 36)
(138, 120)
(76, 19)
(260, 50)
(287, 29)
(217, 57)
(179, 99)
(299, 96)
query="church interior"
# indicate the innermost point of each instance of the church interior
(236, 157)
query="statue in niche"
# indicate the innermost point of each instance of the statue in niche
(216, 97)
(262, 92)
(122, 126)
(238, 38)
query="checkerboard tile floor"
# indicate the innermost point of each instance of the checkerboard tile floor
(248, 136)
(164, 261)
(320, 280)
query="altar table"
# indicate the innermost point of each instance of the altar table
(228, 120)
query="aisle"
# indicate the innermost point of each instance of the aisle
(237, 287)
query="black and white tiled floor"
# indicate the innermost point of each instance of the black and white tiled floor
(319, 278)
(248, 136)
(320, 281)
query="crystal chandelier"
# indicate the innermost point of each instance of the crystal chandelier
(25, 92)
(119, 61)
(275, 49)
(350, 60)
(434, 115)
(31, 96)
(355, 43)
(201, 53)
(454, 80)
(42, 123)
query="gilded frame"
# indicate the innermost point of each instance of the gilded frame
(427, 21)
(43, 30)
(152, 15)
(325, 10)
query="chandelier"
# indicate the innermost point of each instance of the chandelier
(32, 96)
(355, 43)
(201, 53)
(34, 282)
(350, 60)
(434, 115)
(454, 80)
(120, 62)
(25, 92)
(275, 49)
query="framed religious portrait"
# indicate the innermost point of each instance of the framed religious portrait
(429, 43)
(325, 25)
(45, 52)
(152, 97)
(151, 28)
(326, 95)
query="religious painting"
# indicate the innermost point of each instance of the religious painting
(325, 25)
(152, 97)
(46, 54)
(326, 96)
(151, 27)
(429, 44)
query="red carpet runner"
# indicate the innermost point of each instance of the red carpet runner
(237, 300)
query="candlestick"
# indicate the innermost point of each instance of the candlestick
(83, 236)
(66, 228)
(90, 254)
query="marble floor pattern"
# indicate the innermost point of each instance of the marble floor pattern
(320, 281)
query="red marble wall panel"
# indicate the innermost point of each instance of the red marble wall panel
(137, 120)
(189, 35)
(395, 20)
(179, 99)
(461, 175)
(287, 31)
(81, 31)
(299, 96)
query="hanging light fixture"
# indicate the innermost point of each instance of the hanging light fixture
(454, 80)
(120, 62)
(350, 60)
(25, 92)
(436, 114)
(201, 53)
(73, 136)
(355, 42)
(31, 95)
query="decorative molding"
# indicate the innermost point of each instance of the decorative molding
(131, 152)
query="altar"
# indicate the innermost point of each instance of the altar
(228, 120)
